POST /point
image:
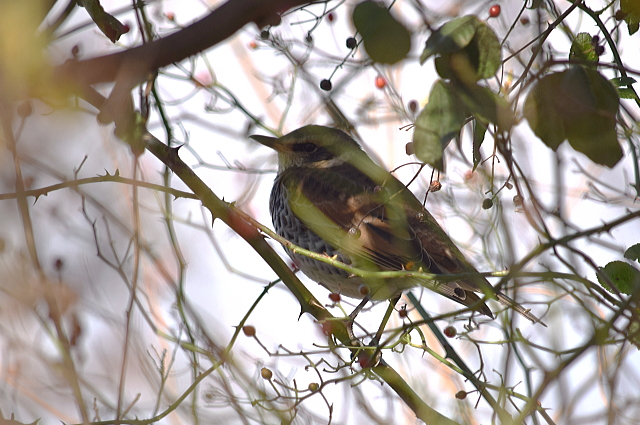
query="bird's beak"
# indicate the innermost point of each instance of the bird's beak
(270, 142)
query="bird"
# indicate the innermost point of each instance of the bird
(331, 198)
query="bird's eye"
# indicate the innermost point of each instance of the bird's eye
(305, 147)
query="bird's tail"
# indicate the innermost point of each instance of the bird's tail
(508, 302)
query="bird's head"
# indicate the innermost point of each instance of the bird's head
(312, 146)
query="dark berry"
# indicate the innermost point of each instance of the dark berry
(487, 203)
(325, 85)
(461, 395)
(351, 43)
(450, 331)
(249, 330)
(620, 15)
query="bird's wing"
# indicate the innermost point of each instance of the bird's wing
(372, 227)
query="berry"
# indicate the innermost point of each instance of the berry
(58, 264)
(487, 203)
(365, 360)
(313, 387)
(266, 374)
(264, 34)
(403, 312)
(413, 106)
(409, 148)
(380, 82)
(450, 331)
(461, 395)
(331, 17)
(335, 297)
(249, 331)
(524, 21)
(351, 43)
(517, 201)
(325, 85)
(363, 290)
(309, 39)
(599, 50)
(435, 186)
(494, 11)
(620, 15)
(253, 45)
(24, 109)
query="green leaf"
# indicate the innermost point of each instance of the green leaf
(540, 111)
(489, 51)
(579, 105)
(440, 121)
(451, 37)
(582, 48)
(622, 81)
(624, 276)
(385, 39)
(625, 93)
(590, 115)
(479, 130)
(468, 50)
(632, 10)
(486, 106)
(633, 252)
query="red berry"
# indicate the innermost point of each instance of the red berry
(461, 395)
(450, 331)
(380, 82)
(524, 21)
(494, 11)
(253, 45)
(331, 17)
(413, 105)
(335, 297)
(325, 85)
(249, 330)
(403, 312)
